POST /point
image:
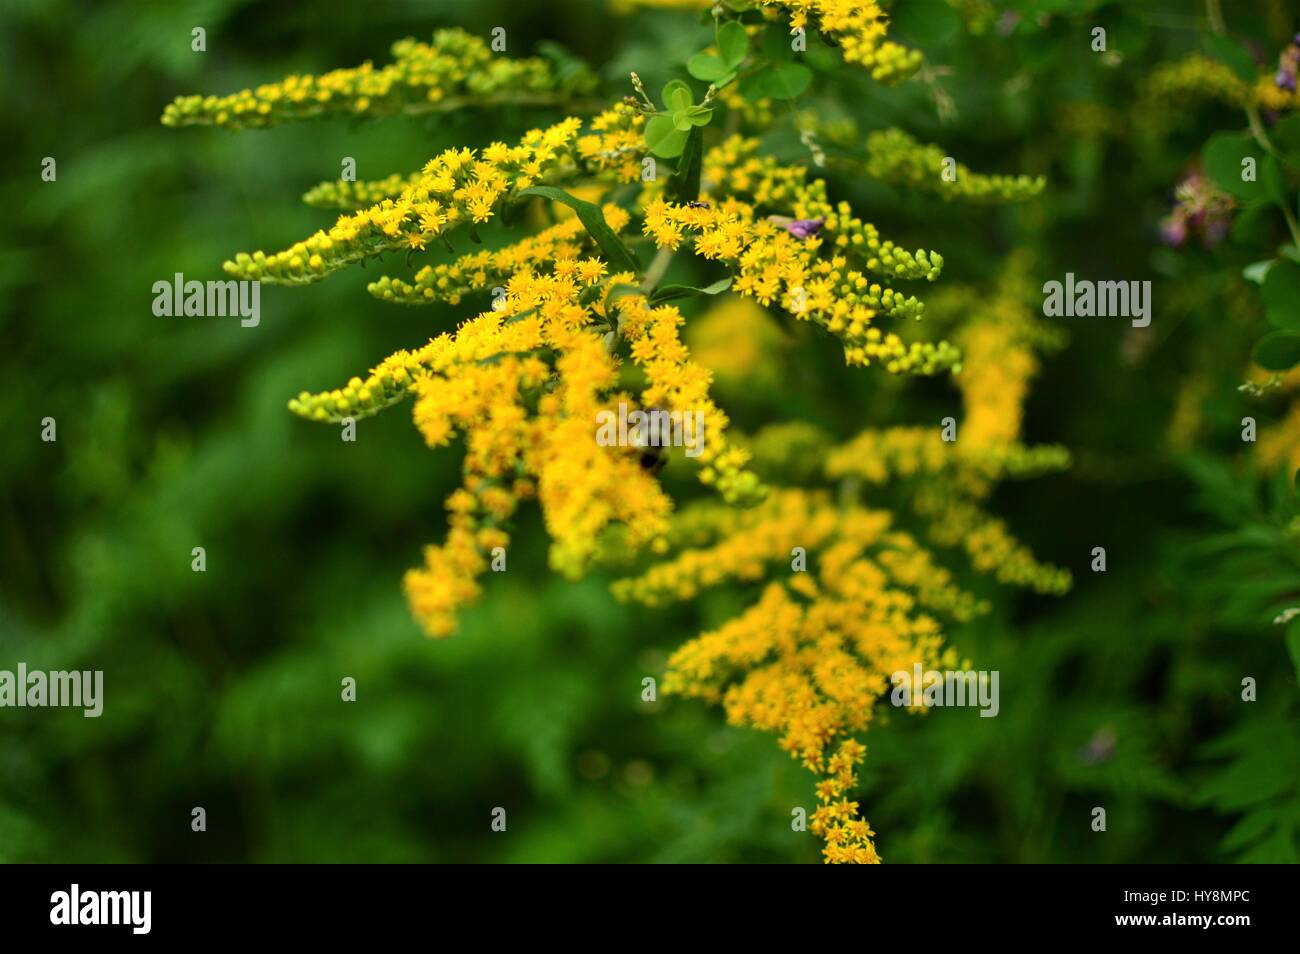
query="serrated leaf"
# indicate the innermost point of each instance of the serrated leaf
(617, 255)
(733, 44)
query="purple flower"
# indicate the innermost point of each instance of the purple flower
(1173, 230)
(1287, 63)
(804, 228)
(1201, 209)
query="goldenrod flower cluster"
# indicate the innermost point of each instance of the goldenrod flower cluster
(348, 196)
(894, 156)
(482, 381)
(1188, 80)
(1196, 77)
(778, 260)
(775, 267)
(900, 453)
(739, 172)
(456, 69)
(678, 383)
(457, 187)
(859, 28)
(1000, 341)
(581, 328)
(529, 429)
(812, 657)
(615, 146)
(1278, 99)
(848, 837)
(955, 521)
(559, 248)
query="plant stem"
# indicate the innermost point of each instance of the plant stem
(1215, 12)
(655, 273)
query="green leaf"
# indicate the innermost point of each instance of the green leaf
(663, 138)
(710, 69)
(1224, 155)
(1281, 294)
(1273, 181)
(733, 44)
(776, 44)
(699, 115)
(1228, 51)
(617, 255)
(677, 95)
(682, 122)
(1250, 229)
(674, 292)
(1278, 351)
(777, 81)
(684, 185)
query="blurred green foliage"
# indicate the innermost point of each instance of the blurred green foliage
(222, 689)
